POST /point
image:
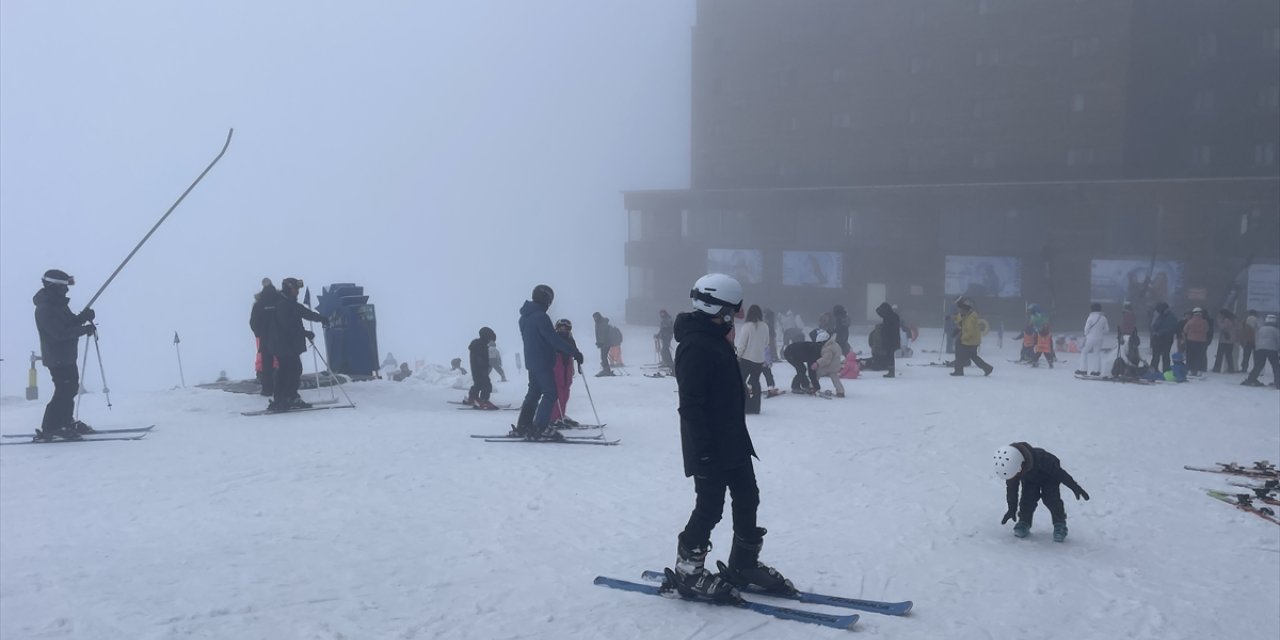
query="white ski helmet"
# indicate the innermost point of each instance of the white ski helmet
(717, 294)
(1008, 462)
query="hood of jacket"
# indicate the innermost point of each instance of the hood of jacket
(530, 307)
(884, 309)
(693, 322)
(48, 295)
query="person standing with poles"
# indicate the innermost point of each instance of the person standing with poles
(288, 342)
(60, 331)
(717, 450)
(541, 342)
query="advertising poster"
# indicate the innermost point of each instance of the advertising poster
(1122, 281)
(983, 276)
(812, 268)
(747, 265)
(1264, 287)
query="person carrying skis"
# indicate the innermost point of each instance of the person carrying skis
(666, 331)
(288, 340)
(60, 330)
(1096, 330)
(717, 450)
(541, 342)
(481, 385)
(970, 339)
(603, 337)
(1041, 475)
(563, 371)
(890, 335)
(260, 318)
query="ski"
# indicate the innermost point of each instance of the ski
(267, 412)
(605, 443)
(88, 438)
(871, 606)
(467, 405)
(497, 409)
(783, 613)
(95, 432)
(1244, 502)
(1262, 470)
(1113, 379)
(507, 436)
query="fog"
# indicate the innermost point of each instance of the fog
(446, 156)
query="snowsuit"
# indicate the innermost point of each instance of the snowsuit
(970, 339)
(751, 344)
(1248, 335)
(260, 318)
(1197, 335)
(1268, 350)
(564, 380)
(60, 332)
(1041, 479)
(800, 355)
(1226, 346)
(716, 447)
(829, 365)
(1096, 331)
(602, 342)
(890, 334)
(481, 385)
(666, 331)
(1044, 346)
(1164, 326)
(541, 342)
(288, 340)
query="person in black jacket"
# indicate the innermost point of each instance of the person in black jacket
(603, 343)
(288, 341)
(260, 318)
(481, 386)
(717, 449)
(60, 331)
(890, 335)
(1041, 475)
(802, 355)
(840, 319)
(666, 331)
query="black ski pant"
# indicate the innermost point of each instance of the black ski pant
(1248, 351)
(1226, 352)
(751, 378)
(604, 360)
(1050, 493)
(60, 412)
(1260, 359)
(666, 354)
(805, 378)
(1160, 346)
(708, 506)
(481, 386)
(966, 354)
(767, 372)
(893, 364)
(288, 377)
(1197, 356)
(267, 377)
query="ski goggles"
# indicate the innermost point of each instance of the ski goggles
(71, 280)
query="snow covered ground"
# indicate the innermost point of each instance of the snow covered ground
(387, 521)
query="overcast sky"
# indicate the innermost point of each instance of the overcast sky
(446, 155)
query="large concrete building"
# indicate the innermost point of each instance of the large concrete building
(1015, 150)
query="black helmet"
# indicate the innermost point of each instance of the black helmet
(487, 334)
(291, 284)
(543, 295)
(57, 277)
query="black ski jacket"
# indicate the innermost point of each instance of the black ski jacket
(287, 336)
(59, 328)
(603, 339)
(713, 423)
(802, 351)
(1041, 468)
(479, 350)
(891, 333)
(264, 309)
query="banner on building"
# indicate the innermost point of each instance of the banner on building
(812, 268)
(1123, 280)
(983, 276)
(1264, 287)
(747, 265)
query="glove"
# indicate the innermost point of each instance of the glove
(577, 357)
(309, 334)
(1080, 493)
(1009, 515)
(89, 329)
(87, 316)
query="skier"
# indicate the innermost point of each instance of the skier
(1267, 349)
(802, 355)
(829, 362)
(563, 371)
(495, 361)
(481, 386)
(840, 319)
(288, 342)
(602, 343)
(1043, 346)
(717, 449)
(1164, 326)
(260, 318)
(1096, 330)
(541, 342)
(751, 342)
(970, 339)
(60, 331)
(666, 331)
(890, 335)
(1198, 335)
(1041, 475)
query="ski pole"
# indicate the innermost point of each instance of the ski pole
(80, 385)
(336, 377)
(161, 221)
(182, 376)
(589, 398)
(106, 391)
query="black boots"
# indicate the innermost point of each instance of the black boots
(692, 580)
(745, 567)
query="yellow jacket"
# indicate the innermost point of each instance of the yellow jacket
(970, 331)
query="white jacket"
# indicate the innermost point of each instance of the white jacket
(830, 362)
(1096, 327)
(752, 338)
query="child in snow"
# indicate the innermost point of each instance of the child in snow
(481, 386)
(830, 362)
(1041, 475)
(1044, 347)
(563, 371)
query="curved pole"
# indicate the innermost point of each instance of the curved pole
(161, 221)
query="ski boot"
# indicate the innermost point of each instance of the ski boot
(1096, 374)
(82, 428)
(518, 431)
(1059, 531)
(569, 423)
(1081, 372)
(745, 568)
(546, 434)
(467, 401)
(691, 579)
(298, 403)
(1022, 529)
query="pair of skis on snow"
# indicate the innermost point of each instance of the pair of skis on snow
(319, 405)
(835, 621)
(1261, 470)
(97, 436)
(597, 439)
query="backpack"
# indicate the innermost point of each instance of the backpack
(615, 336)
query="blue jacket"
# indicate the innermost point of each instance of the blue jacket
(541, 342)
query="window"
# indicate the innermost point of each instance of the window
(1077, 102)
(1200, 155)
(1207, 46)
(984, 160)
(1264, 154)
(1081, 47)
(1202, 105)
(842, 120)
(635, 225)
(640, 281)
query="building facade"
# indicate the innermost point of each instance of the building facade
(841, 151)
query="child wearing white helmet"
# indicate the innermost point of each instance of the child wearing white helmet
(1041, 475)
